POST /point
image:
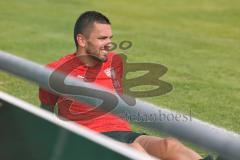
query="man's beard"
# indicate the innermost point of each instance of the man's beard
(99, 59)
(96, 54)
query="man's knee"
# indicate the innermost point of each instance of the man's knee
(171, 144)
(137, 146)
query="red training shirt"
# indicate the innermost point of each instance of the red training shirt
(107, 74)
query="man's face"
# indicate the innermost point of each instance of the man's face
(99, 41)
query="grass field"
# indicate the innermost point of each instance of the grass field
(198, 41)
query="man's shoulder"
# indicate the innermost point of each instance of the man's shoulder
(113, 55)
(114, 58)
(61, 61)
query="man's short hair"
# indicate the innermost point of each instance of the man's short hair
(85, 23)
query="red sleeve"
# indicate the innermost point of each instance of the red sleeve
(117, 64)
(47, 98)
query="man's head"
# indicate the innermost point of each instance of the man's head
(92, 34)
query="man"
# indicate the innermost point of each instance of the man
(92, 35)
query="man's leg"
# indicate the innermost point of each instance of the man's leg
(164, 148)
(137, 146)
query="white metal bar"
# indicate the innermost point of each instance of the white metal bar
(219, 140)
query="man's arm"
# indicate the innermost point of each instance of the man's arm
(117, 64)
(48, 100)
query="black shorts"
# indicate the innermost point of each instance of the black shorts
(123, 136)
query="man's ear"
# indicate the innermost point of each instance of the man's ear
(81, 40)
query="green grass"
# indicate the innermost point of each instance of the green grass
(198, 41)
